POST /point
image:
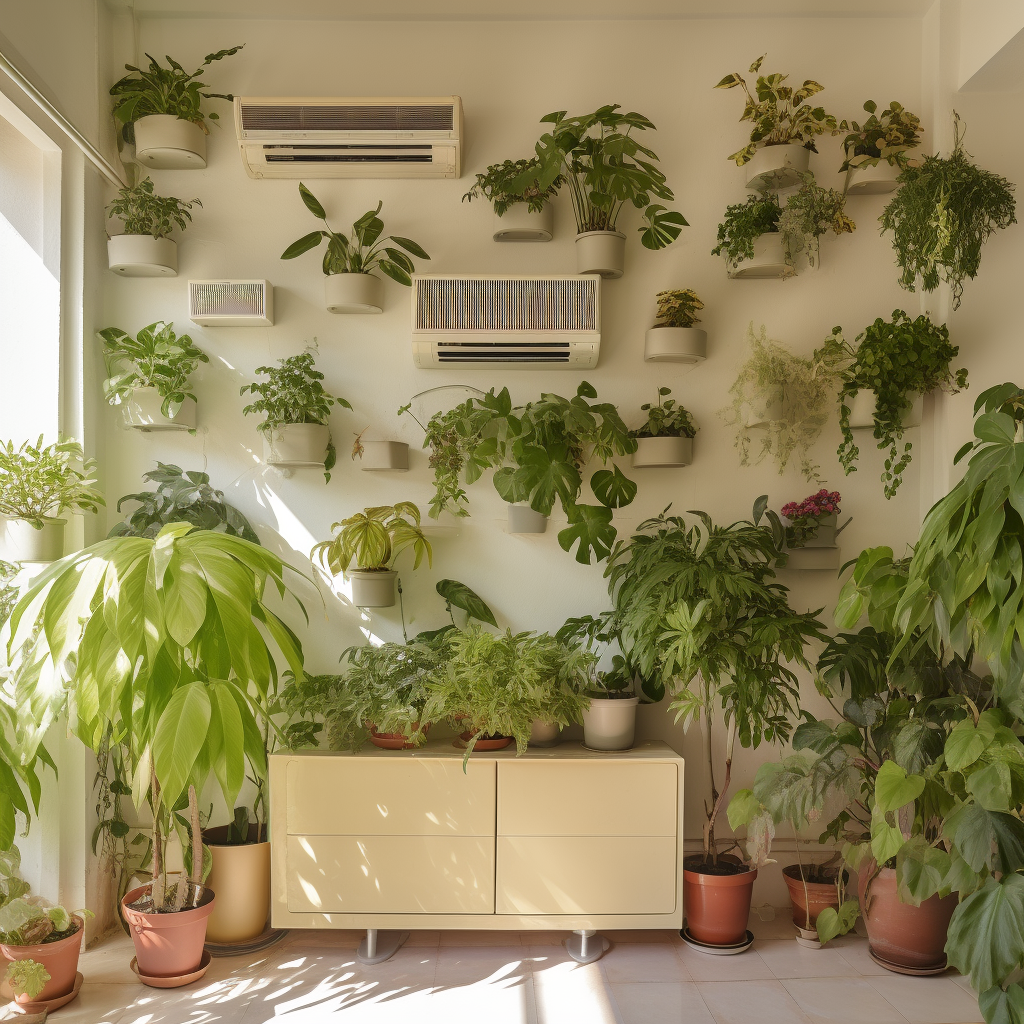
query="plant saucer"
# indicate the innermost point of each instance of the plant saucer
(914, 972)
(266, 938)
(45, 1006)
(173, 981)
(808, 937)
(705, 947)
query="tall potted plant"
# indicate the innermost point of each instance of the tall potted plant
(666, 439)
(675, 338)
(522, 212)
(144, 248)
(876, 151)
(149, 376)
(350, 287)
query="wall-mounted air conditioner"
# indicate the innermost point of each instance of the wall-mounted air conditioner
(350, 138)
(487, 320)
(231, 303)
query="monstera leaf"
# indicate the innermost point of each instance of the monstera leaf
(543, 476)
(591, 527)
(612, 487)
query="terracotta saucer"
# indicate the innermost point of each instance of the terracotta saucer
(914, 972)
(46, 1005)
(173, 982)
(703, 947)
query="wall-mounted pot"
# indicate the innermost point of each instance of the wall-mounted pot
(675, 345)
(813, 558)
(610, 723)
(297, 444)
(662, 452)
(354, 293)
(142, 256)
(601, 252)
(523, 519)
(169, 143)
(24, 543)
(775, 167)
(384, 455)
(142, 411)
(864, 403)
(519, 224)
(769, 260)
(373, 589)
(876, 179)
(825, 535)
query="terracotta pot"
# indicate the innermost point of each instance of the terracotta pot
(717, 906)
(167, 945)
(900, 932)
(241, 878)
(808, 902)
(394, 740)
(59, 958)
(486, 742)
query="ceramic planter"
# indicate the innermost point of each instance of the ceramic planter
(825, 537)
(24, 543)
(775, 167)
(523, 519)
(373, 589)
(142, 411)
(142, 256)
(297, 444)
(60, 960)
(241, 878)
(818, 558)
(717, 906)
(675, 345)
(544, 734)
(518, 224)
(383, 455)
(169, 143)
(662, 452)
(486, 742)
(769, 259)
(863, 405)
(168, 945)
(354, 293)
(877, 179)
(610, 723)
(601, 252)
(809, 899)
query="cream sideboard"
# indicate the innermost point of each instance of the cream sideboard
(561, 838)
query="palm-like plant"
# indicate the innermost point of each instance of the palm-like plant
(373, 539)
(38, 481)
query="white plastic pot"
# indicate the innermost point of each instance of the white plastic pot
(877, 179)
(675, 345)
(544, 734)
(382, 455)
(169, 143)
(769, 259)
(813, 558)
(864, 403)
(662, 452)
(761, 417)
(518, 224)
(24, 543)
(373, 589)
(601, 252)
(354, 293)
(142, 411)
(825, 537)
(775, 167)
(297, 444)
(142, 256)
(523, 519)
(610, 723)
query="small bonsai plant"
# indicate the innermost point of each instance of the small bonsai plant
(887, 136)
(293, 393)
(503, 186)
(156, 358)
(364, 252)
(944, 212)
(371, 540)
(678, 307)
(40, 482)
(666, 419)
(159, 90)
(810, 213)
(744, 223)
(144, 213)
(779, 113)
(895, 359)
(808, 516)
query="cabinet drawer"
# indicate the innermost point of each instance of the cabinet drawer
(592, 875)
(368, 796)
(587, 798)
(390, 875)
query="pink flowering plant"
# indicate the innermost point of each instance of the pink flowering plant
(805, 517)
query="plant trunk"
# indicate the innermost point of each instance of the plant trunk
(159, 877)
(710, 853)
(719, 798)
(196, 876)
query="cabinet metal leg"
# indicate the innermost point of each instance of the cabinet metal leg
(379, 946)
(585, 946)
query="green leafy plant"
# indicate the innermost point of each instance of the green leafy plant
(604, 168)
(811, 212)
(944, 212)
(666, 419)
(142, 212)
(887, 136)
(366, 251)
(744, 223)
(502, 186)
(159, 90)
(181, 497)
(895, 359)
(39, 482)
(779, 113)
(26, 978)
(157, 358)
(373, 539)
(678, 307)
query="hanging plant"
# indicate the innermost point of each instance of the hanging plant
(809, 213)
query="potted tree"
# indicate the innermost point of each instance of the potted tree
(945, 211)
(674, 338)
(149, 376)
(373, 540)
(666, 439)
(296, 409)
(38, 484)
(350, 287)
(522, 212)
(876, 151)
(811, 531)
(144, 248)
(785, 126)
(604, 168)
(160, 112)
(894, 364)
(749, 239)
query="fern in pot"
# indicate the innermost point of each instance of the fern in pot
(144, 248)
(522, 208)
(876, 151)
(666, 439)
(675, 337)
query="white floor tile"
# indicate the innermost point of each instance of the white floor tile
(643, 961)
(842, 1001)
(929, 1000)
(788, 959)
(571, 993)
(661, 1003)
(746, 966)
(766, 1002)
(856, 954)
(465, 965)
(483, 937)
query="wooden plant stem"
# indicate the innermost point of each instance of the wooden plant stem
(158, 888)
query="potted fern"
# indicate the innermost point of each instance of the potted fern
(145, 248)
(371, 540)
(749, 239)
(349, 286)
(666, 439)
(148, 376)
(522, 211)
(675, 338)
(876, 151)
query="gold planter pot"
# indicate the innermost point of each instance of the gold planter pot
(242, 876)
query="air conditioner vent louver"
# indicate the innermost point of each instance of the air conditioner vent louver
(334, 118)
(231, 303)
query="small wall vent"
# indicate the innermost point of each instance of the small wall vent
(231, 303)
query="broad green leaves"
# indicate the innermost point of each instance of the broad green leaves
(894, 790)
(832, 923)
(180, 735)
(590, 526)
(458, 594)
(987, 839)
(986, 933)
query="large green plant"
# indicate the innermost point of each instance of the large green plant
(373, 539)
(144, 213)
(502, 185)
(605, 167)
(39, 482)
(887, 136)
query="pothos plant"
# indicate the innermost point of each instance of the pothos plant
(744, 223)
(142, 212)
(666, 419)
(888, 136)
(506, 184)
(371, 540)
(678, 307)
(39, 482)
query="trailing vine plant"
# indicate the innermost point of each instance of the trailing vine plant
(887, 136)
(744, 223)
(506, 184)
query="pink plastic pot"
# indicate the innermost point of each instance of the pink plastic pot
(168, 945)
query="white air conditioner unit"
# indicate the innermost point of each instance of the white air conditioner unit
(350, 138)
(493, 320)
(231, 303)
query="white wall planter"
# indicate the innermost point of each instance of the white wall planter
(382, 455)
(544, 734)
(774, 167)
(662, 452)
(761, 417)
(864, 403)
(142, 411)
(24, 543)
(169, 143)
(675, 345)
(373, 589)
(601, 252)
(142, 256)
(354, 293)
(813, 558)
(872, 179)
(297, 444)
(769, 259)
(519, 224)
(610, 723)
(523, 519)
(825, 537)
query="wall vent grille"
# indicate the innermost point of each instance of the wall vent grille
(231, 303)
(302, 117)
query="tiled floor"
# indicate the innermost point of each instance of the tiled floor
(526, 978)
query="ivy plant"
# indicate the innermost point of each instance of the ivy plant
(666, 419)
(371, 540)
(744, 223)
(507, 184)
(811, 212)
(39, 482)
(142, 212)
(678, 307)
(887, 136)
